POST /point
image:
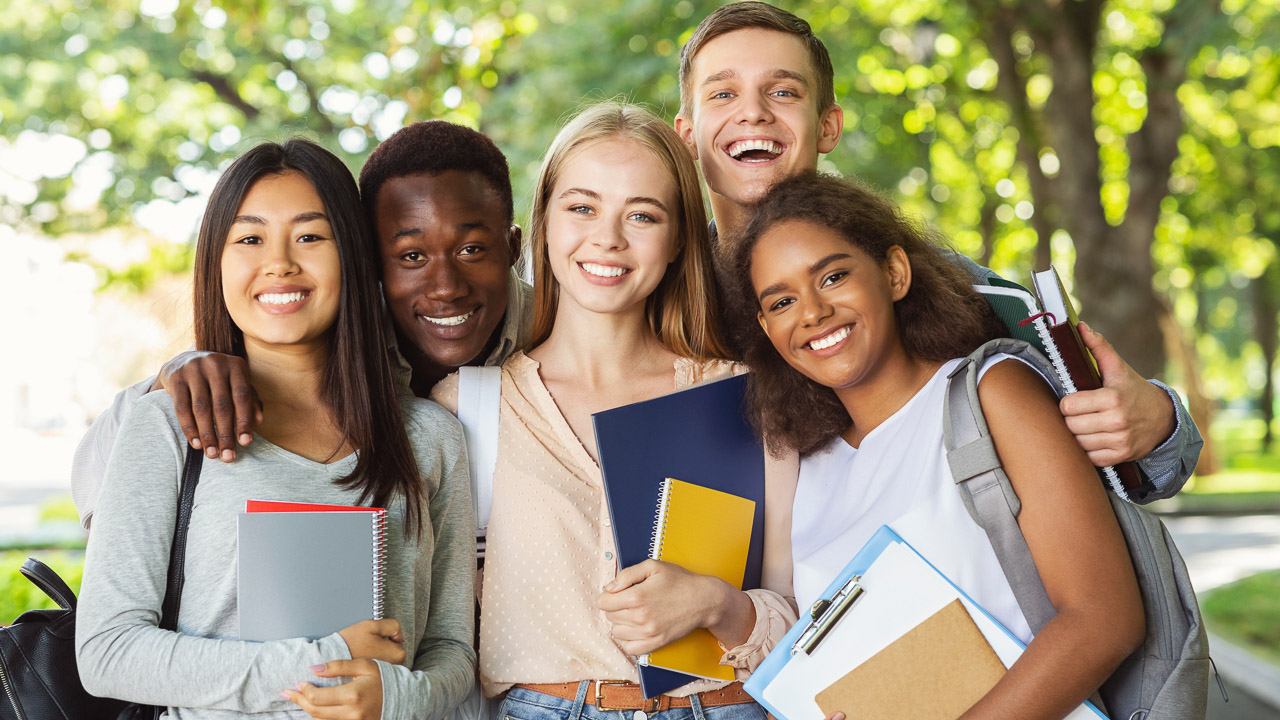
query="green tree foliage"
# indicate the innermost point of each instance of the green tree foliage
(1136, 140)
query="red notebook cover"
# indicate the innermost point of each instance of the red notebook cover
(258, 506)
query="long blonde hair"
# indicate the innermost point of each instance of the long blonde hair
(683, 310)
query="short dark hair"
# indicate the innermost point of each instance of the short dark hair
(759, 16)
(433, 147)
(358, 386)
(941, 317)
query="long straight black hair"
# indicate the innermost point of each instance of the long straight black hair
(358, 387)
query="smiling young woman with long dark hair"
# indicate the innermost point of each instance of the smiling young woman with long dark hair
(284, 279)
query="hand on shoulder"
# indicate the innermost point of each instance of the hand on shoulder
(215, 403)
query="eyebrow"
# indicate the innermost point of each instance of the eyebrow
(460, 227)
(720, 76)
(776, 74)
(814, 269)
(644, 199)
(299, 218)
(783, 74)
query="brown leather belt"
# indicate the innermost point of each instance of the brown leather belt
(622, 695)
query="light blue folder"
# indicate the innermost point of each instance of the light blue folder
(842, 599)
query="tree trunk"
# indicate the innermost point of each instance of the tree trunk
(1198, 403)
(1264, 331)
(1012, 87)
(987, 223)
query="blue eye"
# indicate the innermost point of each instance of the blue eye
(581, 209)
(642, 217)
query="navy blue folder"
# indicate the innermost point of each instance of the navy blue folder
(699, 435)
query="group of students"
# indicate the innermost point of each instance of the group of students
(310, 387)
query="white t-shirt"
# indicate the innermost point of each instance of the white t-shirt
(898, 477)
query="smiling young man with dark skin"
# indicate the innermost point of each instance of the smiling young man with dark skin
(757, 104)
(439, 197)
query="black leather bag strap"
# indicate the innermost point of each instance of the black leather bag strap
(177, 559)
(178, 551)
(48, 581)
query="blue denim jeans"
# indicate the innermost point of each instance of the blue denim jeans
(522, 704)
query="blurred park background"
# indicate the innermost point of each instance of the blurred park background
(1133, 143)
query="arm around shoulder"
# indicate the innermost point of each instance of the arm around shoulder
(89, 465)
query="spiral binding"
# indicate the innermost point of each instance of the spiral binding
(1069, 386)
(379, 561)
(660, 521)
(1055, 355)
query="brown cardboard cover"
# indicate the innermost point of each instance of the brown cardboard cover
(936, 671)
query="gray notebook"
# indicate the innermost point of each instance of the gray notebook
(308, 574)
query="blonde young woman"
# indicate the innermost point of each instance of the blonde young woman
(624, 311)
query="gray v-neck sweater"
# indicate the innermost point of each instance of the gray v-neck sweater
(204, 671)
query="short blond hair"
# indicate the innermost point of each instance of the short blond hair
(683, 310)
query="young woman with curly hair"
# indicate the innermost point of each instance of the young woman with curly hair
(861, 319)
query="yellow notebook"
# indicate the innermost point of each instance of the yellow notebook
(707, 532)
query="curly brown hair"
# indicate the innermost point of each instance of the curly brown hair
(940, 318)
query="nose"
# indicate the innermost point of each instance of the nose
(814, 309)
(609, 235)
(280, 261)
(754, 109)
(444, 281)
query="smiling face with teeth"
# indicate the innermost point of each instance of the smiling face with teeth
(447, 248)
(826, 305)
(611, 227)
(281, 274)
(752, 118)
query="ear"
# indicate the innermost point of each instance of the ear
(897, 270)
(684, 128)
(830, 127)
(514, 235)
(763, 325)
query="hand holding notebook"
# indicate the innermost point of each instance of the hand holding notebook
(707, 532)
(1048, 321)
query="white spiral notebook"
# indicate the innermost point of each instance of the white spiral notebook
(308, 570)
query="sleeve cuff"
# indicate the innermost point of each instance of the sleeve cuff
(774, 617)
(392, 687)
(1171, 463)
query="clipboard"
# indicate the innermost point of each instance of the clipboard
(886, 590)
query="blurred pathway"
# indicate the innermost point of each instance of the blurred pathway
(37, 468)
(1219, 550)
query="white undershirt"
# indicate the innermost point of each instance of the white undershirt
(898, 477)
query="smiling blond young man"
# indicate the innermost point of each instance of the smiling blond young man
(757, 104)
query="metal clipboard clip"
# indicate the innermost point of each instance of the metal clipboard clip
(825, 614)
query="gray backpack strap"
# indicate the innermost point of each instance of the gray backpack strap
(479, 395)
(1168, 676)
(983, 485)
